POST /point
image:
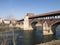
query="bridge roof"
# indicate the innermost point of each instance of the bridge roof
(47, 14)
(55, 13)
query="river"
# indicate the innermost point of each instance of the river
(27, 37)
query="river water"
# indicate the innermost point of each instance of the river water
(46, 38)
(21, 37)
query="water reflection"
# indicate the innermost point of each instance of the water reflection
(22, 37)
(46, 38)
(38, 36)
(58, 33)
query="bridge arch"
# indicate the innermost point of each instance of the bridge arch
(57, 21)
(38, 31)
(34, 24)
(55, 30)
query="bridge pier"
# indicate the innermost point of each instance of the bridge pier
(28, 32)
(46, 29)
(47, 32)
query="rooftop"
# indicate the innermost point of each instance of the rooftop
(43, 15)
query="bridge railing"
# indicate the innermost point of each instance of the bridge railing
(49, 17)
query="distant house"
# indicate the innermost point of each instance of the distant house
(1, 20)
(6, 21)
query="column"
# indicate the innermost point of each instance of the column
(27, 32)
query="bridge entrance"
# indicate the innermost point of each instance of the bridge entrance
(56, 30)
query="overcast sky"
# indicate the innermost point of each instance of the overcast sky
(19, 8)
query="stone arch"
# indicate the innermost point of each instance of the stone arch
(34, 24)
(55, 22)
(37, 27)
(54, 26)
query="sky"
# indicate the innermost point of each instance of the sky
(19, 8)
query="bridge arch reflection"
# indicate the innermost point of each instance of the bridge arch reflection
(38, 32)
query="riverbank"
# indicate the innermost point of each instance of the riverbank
(53, 42)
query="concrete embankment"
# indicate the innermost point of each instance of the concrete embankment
(53, 42)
